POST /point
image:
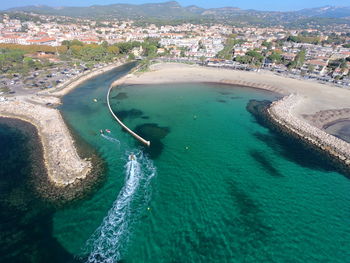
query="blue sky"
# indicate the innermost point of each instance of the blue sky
(275, 5)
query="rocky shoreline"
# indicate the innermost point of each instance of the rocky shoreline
(64, 167)
(38, 175)
(280, 114)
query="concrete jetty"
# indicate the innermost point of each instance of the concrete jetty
(136, 136)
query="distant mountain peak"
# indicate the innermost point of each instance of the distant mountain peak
(326, 11)
(173, 10)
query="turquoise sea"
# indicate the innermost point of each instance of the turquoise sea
(215, 186)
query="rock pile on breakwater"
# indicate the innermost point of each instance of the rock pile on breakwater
(63, 164)
(281, 114)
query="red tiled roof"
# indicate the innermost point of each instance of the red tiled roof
(41, 40)
(317, 63)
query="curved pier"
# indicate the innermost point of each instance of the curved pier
(139, 138)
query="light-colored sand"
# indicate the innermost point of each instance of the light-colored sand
(307, 105)
(317, 97)
(63, 164)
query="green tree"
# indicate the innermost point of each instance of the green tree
(113, 50)
(311, 68)
(275, 57)
(299, 59)
(227, 52)
(28, 62)
(267, 44)
(254, 57)
(104, 44)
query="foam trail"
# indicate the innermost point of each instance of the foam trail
(111, 139)
(110, 239)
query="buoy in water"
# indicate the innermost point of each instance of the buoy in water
(148, 208)
(95, 100)
(187, 148)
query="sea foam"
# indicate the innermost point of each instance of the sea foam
(110, 240)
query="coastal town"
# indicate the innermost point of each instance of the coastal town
(171, 132)
(43, 57)
(55, 48)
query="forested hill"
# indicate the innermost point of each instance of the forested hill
(174, 11)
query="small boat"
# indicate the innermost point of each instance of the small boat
(132, 157)
(101, 132)
(108, 130)
(95, 100)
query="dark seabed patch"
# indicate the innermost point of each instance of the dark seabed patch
(265, 163)
(250, 224)
(25, 220)
(128, 114)
(235, 97)
(220, 100)
(153, 133)
(120, 96)
(295, 151)
(145, 117)
(93, 133)
(225, 93)
(286, 145)
(196, 238)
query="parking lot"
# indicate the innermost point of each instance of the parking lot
(38, 80)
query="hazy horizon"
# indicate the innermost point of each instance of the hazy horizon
(272, 5)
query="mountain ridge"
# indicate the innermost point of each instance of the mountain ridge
(173, 10)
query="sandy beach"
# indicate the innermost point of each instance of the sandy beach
(317, 97)
(63, 164)
(307, 107)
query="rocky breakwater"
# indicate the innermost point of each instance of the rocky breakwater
(281, 114)
(63, 164)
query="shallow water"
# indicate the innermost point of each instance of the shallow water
(25, 220)
(215, 186)
(226, 188)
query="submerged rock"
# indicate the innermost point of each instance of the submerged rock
(154, 133)
(120, 96)
(290, 143)
(131, 114)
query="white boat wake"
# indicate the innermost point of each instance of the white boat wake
(111, 238)
(111, 139)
